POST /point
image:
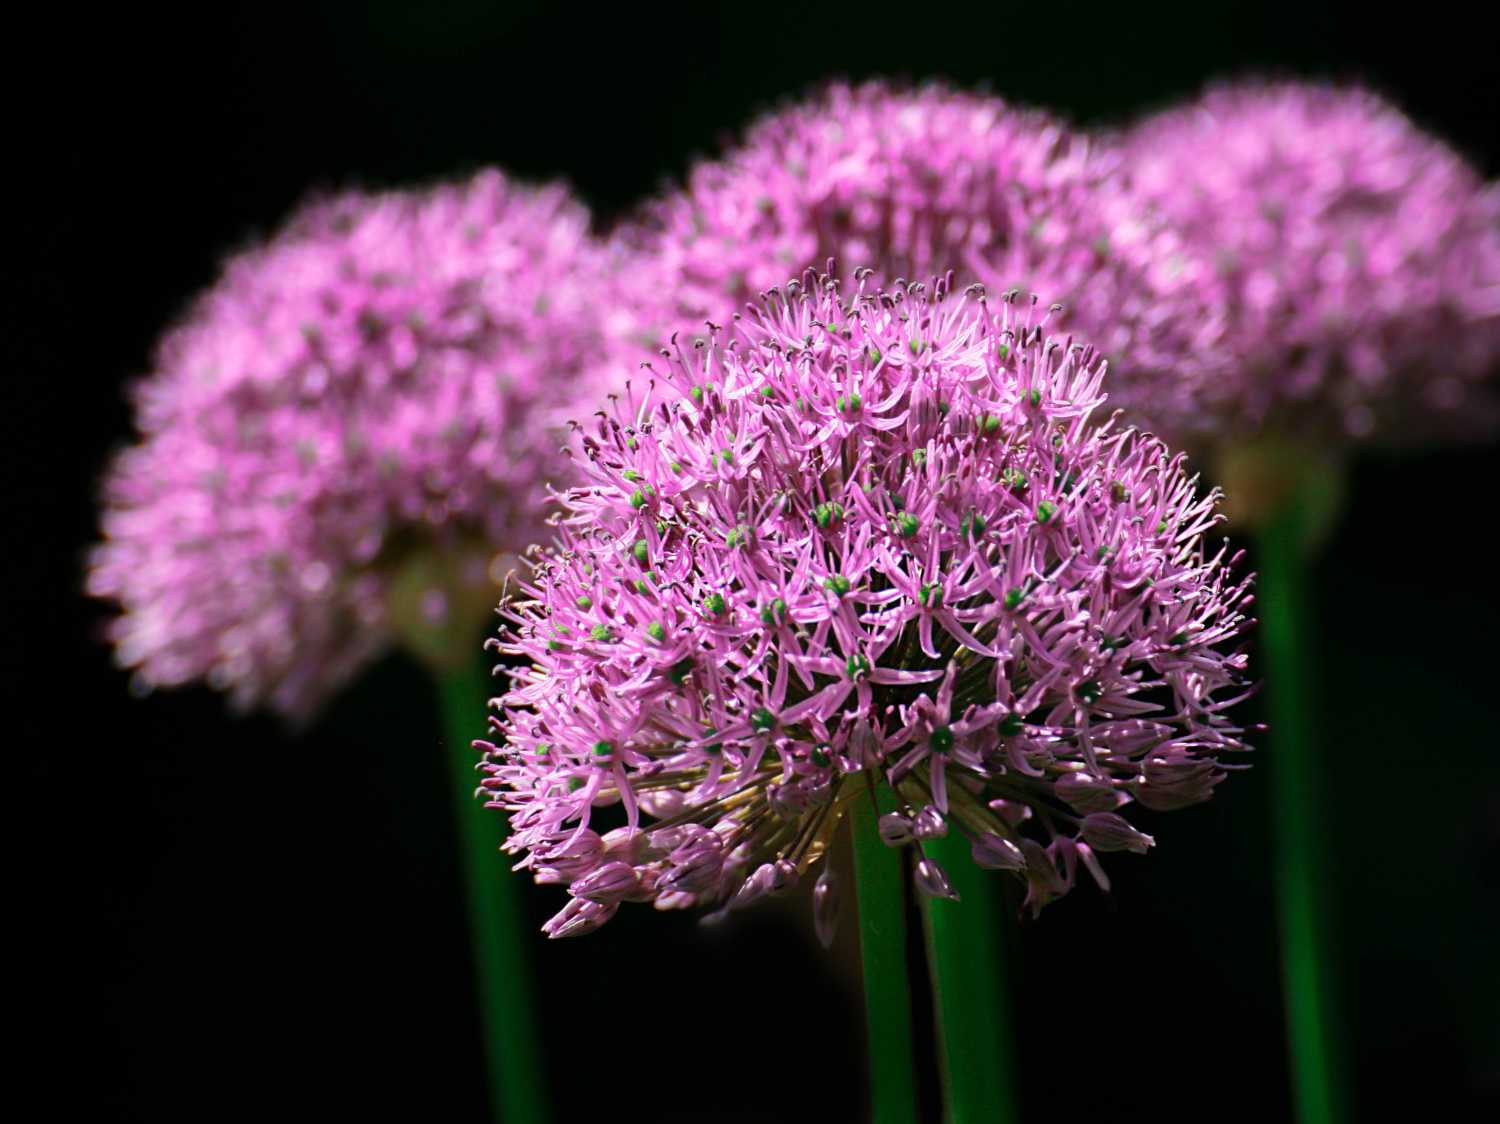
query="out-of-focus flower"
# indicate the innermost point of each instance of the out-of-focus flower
(910, 182)
(346, 431)
(1334, 271)
(858, 541)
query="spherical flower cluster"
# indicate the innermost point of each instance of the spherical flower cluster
(877, 539)
(911, 182)
(380, 382)
(1342, 266)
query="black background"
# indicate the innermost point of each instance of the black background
(219, 920)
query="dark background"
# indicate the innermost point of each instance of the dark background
(219, 920)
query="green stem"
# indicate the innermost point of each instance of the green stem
(1293, 767)
(878, 878)
(966, 947)
(498, 928)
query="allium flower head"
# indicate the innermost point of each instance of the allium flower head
(380, 378)
(911, 182)
(856, 540)
(1342, 266)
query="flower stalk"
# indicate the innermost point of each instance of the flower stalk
(879, 882)
(966, 949)
(498, 930)
(1301, 883)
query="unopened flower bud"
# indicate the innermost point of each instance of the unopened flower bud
(895, 829)
(1169, 783)
(932, 880)
(992, 852)
(757, 886)
(1105, 831)
(608, 885)
(1086, 793)
(696, 873)
(577, 918)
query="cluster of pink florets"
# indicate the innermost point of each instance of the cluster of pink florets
(864, 535)
(908, 182)
(388, 374)
(859, 539)
(1339, 268)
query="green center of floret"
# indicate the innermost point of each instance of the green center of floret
(775, 612)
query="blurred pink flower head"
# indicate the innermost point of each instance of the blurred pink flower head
(910, 182)
(877, 538)
(1333, 270)
(384, 377)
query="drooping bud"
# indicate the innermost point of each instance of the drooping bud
(1105, 831)
(578, 917)
(1169, 783)
(609, 885)
(895, 829)
(932, 880)
(992, 852)
(694, 873)
(757, 886)
(1086, 793)
(571, 860)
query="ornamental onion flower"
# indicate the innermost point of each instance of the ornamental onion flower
(878, 539)
(911, 182)
(1341, 265)
(344, 432)
(1342, 272)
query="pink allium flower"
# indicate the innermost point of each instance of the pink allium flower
(381, 379)
(1342, 268)
(911, 182)
(875, 540)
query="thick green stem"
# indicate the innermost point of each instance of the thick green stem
(1293, 765)
(498, 928)
(878, 878)
(966, 948)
